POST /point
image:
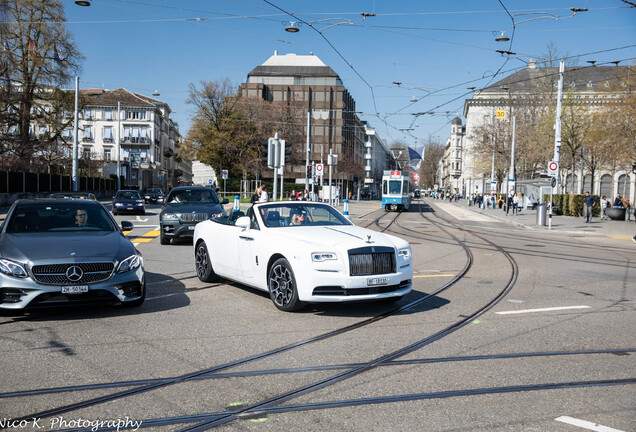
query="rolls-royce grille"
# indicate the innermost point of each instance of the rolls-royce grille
(371, 261)
(56, 274)
(193, 217)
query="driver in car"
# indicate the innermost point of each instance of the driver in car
(298, 218)
(81, 217)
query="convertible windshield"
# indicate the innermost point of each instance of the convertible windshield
(54, 217)
(205, 196)
(302, 214)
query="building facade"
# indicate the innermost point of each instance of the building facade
(592, 86)
(149, 139)
(452, 162)
(308, 83)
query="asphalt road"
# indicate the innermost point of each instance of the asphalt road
(553, 350)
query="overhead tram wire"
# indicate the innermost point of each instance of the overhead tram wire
(332, 46)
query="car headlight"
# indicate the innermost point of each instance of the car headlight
(169, 216)
(323, 256)
(12, 268)
(217, 215)
(404, 253)
(147, 196)
(130, 263)
(118, 204)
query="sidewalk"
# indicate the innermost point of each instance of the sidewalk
(526, 219)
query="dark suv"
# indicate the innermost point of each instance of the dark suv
(153, 196)
(184, 207)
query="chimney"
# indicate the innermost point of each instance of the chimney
(275, 52)
(532, 64)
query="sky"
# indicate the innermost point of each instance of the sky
(398, 59)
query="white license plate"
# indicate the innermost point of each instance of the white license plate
(377, 281)
(75, 289)
(191, 228)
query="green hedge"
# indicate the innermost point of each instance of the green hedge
(572, 204)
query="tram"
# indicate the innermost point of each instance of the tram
(396, 191)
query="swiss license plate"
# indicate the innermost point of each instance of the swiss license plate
(191, 227)
(74, 289)
(377, 281)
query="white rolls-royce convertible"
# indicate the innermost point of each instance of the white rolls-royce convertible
(302, 252)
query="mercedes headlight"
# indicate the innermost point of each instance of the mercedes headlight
(130, 263)
(12, 268)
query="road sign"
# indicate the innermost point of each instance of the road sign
(210, 181)
(553, 182)
(493, 186)
(160, 179)
(320, 169)
(553, 168)
(500, 114)
(225, 174)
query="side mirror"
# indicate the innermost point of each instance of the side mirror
(126, 225)
(225, 201)
(243, 222)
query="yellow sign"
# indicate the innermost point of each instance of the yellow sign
(500, 114)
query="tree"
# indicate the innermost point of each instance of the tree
(433, 153)
(221, 132)
(39, 56)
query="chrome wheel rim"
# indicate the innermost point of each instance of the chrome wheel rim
(202, 261)
(281, 285)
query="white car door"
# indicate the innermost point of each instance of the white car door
(222, 241)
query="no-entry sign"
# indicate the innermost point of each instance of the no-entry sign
(320, 169)
(553, 168)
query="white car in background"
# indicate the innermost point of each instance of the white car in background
(324, 259)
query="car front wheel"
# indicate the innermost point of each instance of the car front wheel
(204, 269)
(282, 286)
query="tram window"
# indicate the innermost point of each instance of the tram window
(395, 187)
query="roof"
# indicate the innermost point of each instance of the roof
(125, 97)
(580, 77)
(457, 121)
(293, 65)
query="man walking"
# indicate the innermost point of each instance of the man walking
(589, 203)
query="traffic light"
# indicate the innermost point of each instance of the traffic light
(264, 152)
(309, 172)
(285, 149)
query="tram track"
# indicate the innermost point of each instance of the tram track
(272, 405)
(146, 387)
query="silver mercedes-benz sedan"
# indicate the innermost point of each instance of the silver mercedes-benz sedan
(62, 252)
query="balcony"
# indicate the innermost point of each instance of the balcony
(367, 156)
(168, 152)
(136, 140)
(178, 173)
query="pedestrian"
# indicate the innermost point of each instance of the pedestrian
(508, 203)
(292, 195)
(627, 208)
(264, 197)
(256, 196)
(604, 205)
(618, 201)
(589, 203)
(515, 205)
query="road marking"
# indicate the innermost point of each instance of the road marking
(436, 275)
(586, 424)
(152, 234)
(620, 237)
(142, 220)
(542, 310)
(515, 301)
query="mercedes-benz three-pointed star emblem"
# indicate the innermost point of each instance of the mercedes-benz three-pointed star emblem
(74, 273)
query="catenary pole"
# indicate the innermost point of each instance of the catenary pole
(75, 173)
(557, 135)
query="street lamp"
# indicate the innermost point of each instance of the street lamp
(293, 27)
(502, 38)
